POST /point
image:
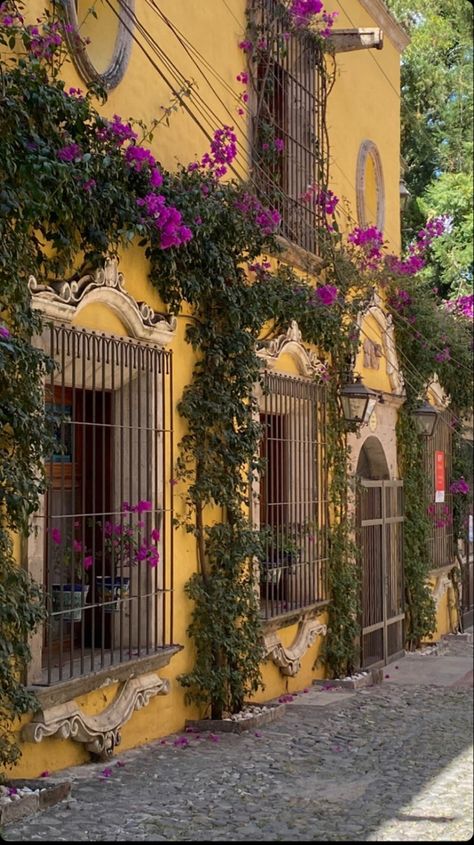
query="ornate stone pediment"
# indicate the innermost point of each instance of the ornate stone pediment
(64, 300)
(291, 343)
(99, 734)
(385, 322)
(289, 658)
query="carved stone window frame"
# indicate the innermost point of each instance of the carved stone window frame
(111, 77)
(368, 149)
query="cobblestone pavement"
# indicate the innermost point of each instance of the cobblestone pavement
(385, 763)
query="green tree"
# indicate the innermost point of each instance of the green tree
(437, 131)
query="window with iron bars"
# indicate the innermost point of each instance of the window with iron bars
(103, 537)
(290, 106)
(293, 494)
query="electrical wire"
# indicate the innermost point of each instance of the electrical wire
(180, 79)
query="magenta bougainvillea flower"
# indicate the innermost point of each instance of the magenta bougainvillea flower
(327, 294)
(4, 332)
(459, 486)
(106, 773)
(181, 742)
(71, 152)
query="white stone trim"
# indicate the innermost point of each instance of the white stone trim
(288, 659)
(367, 150)
(111, 77)
(65, 300)
(291, 343)
(381, 15)
(99, 734)
(443, 583)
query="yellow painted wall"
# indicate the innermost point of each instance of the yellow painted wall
(365, 105)
(362, 105)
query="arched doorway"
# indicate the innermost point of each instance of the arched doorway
(380, 540)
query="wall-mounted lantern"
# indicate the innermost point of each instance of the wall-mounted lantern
(425, 417)
(404, 196)
(355, 397)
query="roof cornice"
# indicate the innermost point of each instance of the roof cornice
(391, 28)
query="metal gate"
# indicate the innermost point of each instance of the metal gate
(380, 529)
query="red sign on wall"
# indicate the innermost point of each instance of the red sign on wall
(439, 477)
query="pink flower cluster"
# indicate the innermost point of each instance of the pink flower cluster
(441, 516)
(415, 260)
(223, 152)
(370, 242)
(326, 200)
(443, 355)
(166, 219)
(125, 542)
(278, 145)
(400, 301)
(459, 486)
(78, 549)
(303, 10)
(404, 267)
(119, 132)
(325, 295)
(260, 268)
(267, 219)
(463, 305)
(4, 333)
(70, 152)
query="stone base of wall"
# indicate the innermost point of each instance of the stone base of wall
(41, 796)
(369, 679)
(264, 713)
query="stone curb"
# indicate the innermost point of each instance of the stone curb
(373, 677)
(237, 727)
(32, 802)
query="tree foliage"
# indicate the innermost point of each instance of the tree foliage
(437, 131)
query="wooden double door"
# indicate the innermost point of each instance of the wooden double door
(380, 538)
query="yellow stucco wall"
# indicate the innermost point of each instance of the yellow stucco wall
(363, 105)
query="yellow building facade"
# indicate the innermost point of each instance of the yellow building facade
(114, 671)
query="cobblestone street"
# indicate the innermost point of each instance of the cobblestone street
(391, 762)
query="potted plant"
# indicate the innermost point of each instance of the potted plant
(125, 543)
(283, 548)
(69, 597)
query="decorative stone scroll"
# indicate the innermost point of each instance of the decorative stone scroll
(99, 734)
(64, 300)
(289, 658)
(291, 343)
(443, 583)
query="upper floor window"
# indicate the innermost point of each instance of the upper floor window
(289, 140)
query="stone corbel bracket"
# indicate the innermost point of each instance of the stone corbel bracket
(291, 343)
(443, 583)
(99, 734)
(288, 659)
(65, 300)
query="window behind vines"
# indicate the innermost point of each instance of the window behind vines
(290, 150)
(103, 540)
(293, 494)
